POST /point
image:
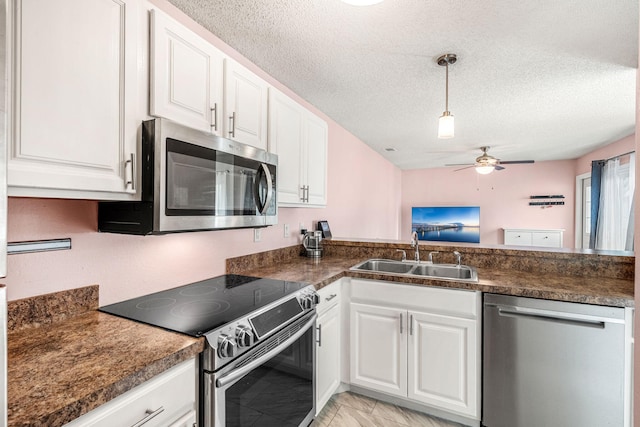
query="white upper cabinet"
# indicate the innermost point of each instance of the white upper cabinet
(186, 76)
(245, 105)
(75, 106)
(300, 140)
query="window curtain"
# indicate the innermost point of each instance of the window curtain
(596, 180)
(615, 206)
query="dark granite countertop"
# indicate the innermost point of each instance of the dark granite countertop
(590, 290)
(63, 368)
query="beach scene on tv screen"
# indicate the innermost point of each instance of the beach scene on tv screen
(447, 224)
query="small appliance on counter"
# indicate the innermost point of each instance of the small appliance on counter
(312, 243)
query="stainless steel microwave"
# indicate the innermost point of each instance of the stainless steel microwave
(194, 180)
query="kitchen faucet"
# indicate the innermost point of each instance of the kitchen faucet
(414, 244)
(458, 257)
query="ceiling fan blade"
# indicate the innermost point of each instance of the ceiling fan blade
(499, 168)
(470, 166)
(515, 162)
(460, 164)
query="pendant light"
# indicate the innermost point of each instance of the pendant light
(445, 124)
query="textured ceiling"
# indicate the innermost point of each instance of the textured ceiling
(535, 79)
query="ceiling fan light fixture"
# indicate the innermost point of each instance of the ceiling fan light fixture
(445, 124)
(485, 170)
(362, 2)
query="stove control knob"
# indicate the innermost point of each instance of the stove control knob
(226, 346)
(316, 298)
(244, 336)
(307, 301)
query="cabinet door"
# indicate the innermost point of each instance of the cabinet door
(549, 239)
(517, 238)
(186, 76)
(328, 356)
(443, 363)
(285, 139)
(245, 105)
(379, 348)
(75, 103)
(316, 138)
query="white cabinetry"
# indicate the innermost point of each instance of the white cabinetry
(186, 76)
(170, 395)
(328, 344)
(533, 237)
(300, 139)
(418, 343)
(76, 105)
(245, 105)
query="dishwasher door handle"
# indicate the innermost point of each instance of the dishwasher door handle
(551, 317)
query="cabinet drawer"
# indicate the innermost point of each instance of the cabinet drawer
(518, 238)
(329, 297)
(453, 302)
(174, 391)
(546, 239)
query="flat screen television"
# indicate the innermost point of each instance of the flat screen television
(447, 223)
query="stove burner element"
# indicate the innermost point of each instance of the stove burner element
(200, 308)
(198, 290)
(155, 303)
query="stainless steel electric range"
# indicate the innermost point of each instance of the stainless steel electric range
(257, 368)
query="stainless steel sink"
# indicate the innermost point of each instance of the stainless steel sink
(385, 266)
(449, 271)
(461, 273)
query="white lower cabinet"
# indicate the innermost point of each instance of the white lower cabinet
(328, 344)
(171, 396)
(417, 343)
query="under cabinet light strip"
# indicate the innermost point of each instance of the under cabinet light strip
(38, 246)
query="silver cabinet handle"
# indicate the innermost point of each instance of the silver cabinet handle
(400, 323)
(302, 198)
(411, 324)
(132, 180)
(150, 415)
(306, 194)
(319, 328)
(214, 117)
(232, 125)
(330, 297)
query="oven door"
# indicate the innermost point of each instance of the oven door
(272, 385)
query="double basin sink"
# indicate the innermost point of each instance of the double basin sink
(459, 273)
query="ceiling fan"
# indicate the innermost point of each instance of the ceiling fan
(486, 164)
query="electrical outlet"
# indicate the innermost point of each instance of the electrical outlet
(257, 234)
(287, 232)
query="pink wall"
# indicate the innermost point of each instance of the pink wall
(129, 266)
(583, 164)
(503, 197)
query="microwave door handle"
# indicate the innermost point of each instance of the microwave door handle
(263, 206)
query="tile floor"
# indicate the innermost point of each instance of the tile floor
(353, 410)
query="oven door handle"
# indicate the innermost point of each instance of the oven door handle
(241, 372)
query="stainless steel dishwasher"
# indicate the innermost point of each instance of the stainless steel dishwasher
(552, 364)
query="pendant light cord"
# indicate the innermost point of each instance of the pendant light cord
(446, 90)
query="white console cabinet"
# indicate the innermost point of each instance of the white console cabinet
(551, 238)
(417, 343)
(171, 396)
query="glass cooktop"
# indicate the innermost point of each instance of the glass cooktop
(200, 307)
